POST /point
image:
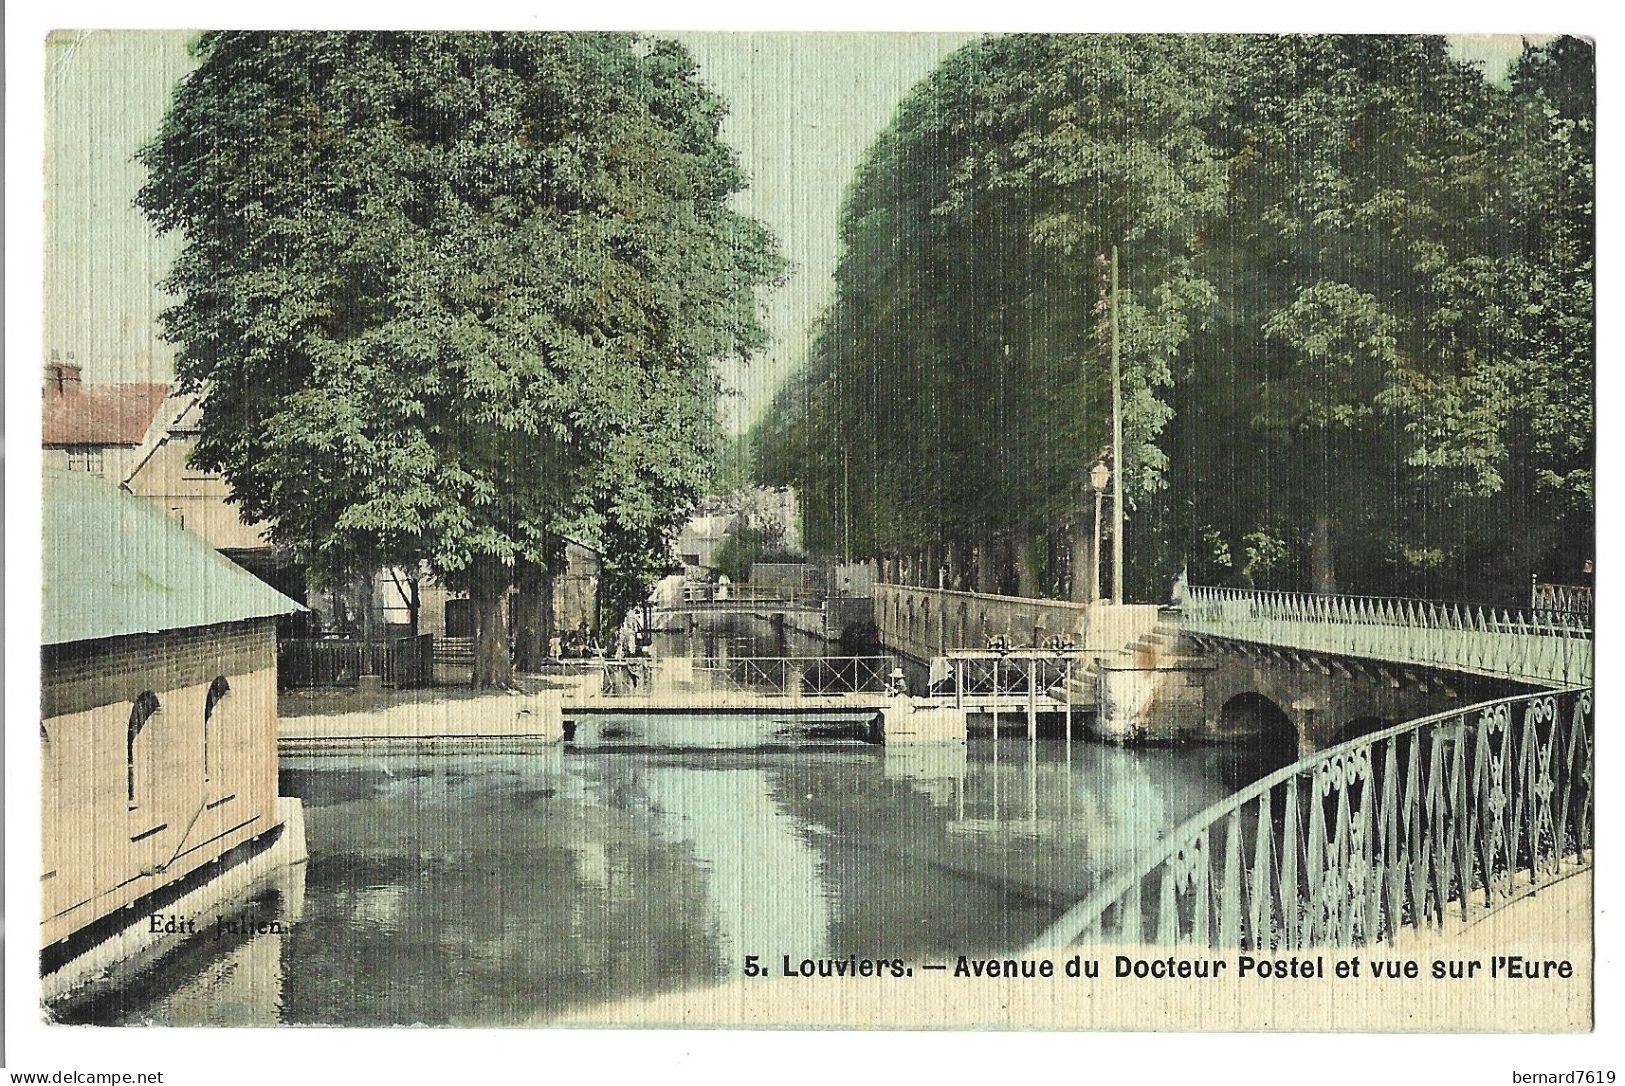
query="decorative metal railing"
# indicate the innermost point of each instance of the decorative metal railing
(1561, 599)
(702, 593)
(1544, 648)
(796, 675)
(1431, 819)
(1000, 673)
(759, 676)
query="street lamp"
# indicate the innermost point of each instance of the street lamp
(1099, 476)
(646, 632)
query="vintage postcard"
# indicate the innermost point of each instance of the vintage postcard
(1000, 531)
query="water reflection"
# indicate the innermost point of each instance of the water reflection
(481, 889)
(732, 636)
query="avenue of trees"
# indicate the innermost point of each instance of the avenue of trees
(1356, 317)
(452, 297)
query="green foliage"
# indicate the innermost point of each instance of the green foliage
(453, 296)
(1356, 313)
(738, 552)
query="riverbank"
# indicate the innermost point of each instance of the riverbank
(532, 710)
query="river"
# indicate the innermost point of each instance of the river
(473, 888)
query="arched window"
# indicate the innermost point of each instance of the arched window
(141, 711)
(211, 744)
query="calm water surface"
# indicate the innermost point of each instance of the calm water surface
(466, 888)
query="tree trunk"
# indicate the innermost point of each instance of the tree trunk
(369, 622)
(1083, 557)
(1322, 572)
(1021, 544)
(488, 589)
(535, 618)
(986, 577)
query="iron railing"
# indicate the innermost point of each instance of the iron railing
(995, 674)
(336, 661)
(796, 675)
(1450, 814)
(1543, 648)
(1562, 599)
(759, 676)
(695, 594)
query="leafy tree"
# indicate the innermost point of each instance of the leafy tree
(958, 371)
(1366, 354)
(1356, 317)
(455, 296)
(739, 552)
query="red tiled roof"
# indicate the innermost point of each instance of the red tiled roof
(102, 414)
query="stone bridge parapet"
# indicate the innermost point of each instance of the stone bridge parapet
(928, 622)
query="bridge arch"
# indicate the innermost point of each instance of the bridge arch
(1254, 718)
(1360, 725)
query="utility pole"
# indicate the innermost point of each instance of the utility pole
(846, 503)
(1117, 449)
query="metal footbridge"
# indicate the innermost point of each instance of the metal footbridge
(1015, 683)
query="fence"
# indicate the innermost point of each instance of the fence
(990, 673)
(1448, 814)
(763, 676)
(1562, 599)
(695, 593)
(791, 675)
(1538, 648)
(332, 661)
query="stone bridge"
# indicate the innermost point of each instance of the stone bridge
(1232, 665)
(1332, 668)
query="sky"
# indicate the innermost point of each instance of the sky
(803, 108)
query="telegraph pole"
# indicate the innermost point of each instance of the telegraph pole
(846, 503)
(1117, 449)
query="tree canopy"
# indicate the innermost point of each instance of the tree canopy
(1355, 317)
(452, 296)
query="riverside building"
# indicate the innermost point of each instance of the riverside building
(158, 726)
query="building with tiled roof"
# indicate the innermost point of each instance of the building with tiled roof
(95, 429)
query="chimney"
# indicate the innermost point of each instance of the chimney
(61, 377)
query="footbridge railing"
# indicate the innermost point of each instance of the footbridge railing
(1432, 820)
(758, 676)
(797, 675)
(1543, 648)
(703, 594)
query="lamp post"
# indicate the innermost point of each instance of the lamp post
(1099, 476)
(646, 632)
(1117, 448)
